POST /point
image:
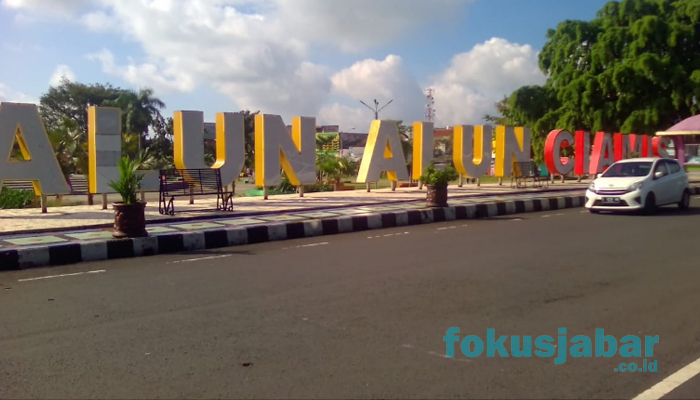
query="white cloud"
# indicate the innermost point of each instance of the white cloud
(59, 8)
(383, 80)
(361, 24)
(62, 71)
(478, 78)
(256, 52)
(161, 81)
(7, 94)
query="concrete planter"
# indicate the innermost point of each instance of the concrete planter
(129, 220)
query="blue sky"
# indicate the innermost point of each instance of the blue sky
(315, 58)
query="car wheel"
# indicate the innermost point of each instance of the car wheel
(650, 204)
(685, 201)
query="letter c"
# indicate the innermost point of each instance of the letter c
(552, 148)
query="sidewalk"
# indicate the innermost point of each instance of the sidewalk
(32, 221)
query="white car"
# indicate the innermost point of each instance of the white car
(639, 184)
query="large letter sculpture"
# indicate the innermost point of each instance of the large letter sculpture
(472, 152)
(423, 144)
(383, 152)
(582, 153)
(552, 152)
(660, 145)
(188, 129)
(512, 145)
(276, 149)
(627, 145)
(105, 150)
(603, 153)
(22, 122)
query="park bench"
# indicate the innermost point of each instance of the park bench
(522, 171)
(189, 183)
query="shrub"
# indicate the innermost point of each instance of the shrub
(11, 198)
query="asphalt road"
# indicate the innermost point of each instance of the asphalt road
(363, 315)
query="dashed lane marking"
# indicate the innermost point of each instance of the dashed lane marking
(307, 245)
(387, 235)
(62, 275)
(201, 259)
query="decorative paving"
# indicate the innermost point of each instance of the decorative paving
(291, 216)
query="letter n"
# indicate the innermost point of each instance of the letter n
(278, 149)
(23, 123)
(512, 145)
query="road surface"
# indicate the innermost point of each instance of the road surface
(363, 315)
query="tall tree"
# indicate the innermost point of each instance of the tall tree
(70, 100)
(634, 68)
(140, 110)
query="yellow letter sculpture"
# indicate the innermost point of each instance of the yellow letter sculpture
(512, 145)
(105, 150)
(188, 130)
(383, 153)
(276, 149)
(472, 152)
(22, 121)
(423, 145)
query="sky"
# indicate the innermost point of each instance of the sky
(312, 58)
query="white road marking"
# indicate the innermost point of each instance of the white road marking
(435, 354)
(446, 228)
(311, 245)
(202, 258)
(546, 216)
(62, 275)
(560, 215)
(517, 219)
(387, 235)
(669, 384)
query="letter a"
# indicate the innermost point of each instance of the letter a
(22, 121)
(383, 152)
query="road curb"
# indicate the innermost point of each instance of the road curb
(176, 219)
(72, 253)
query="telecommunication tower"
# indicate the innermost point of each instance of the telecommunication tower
(430, 103)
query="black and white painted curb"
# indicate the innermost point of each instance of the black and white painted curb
(72, 253)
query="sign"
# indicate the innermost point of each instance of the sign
(607, 148)
(278, 149)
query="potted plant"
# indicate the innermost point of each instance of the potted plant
(436, 181)
(130, 213)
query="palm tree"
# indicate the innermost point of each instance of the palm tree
(139, 110)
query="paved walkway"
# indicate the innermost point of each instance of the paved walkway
(289, 209)
(23, 221)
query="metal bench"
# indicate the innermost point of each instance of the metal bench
(189, 183)
(522, 171)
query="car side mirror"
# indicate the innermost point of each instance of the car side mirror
(659, 175)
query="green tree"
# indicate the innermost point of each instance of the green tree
(634, 68)
(140, 110)
(70, 100)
